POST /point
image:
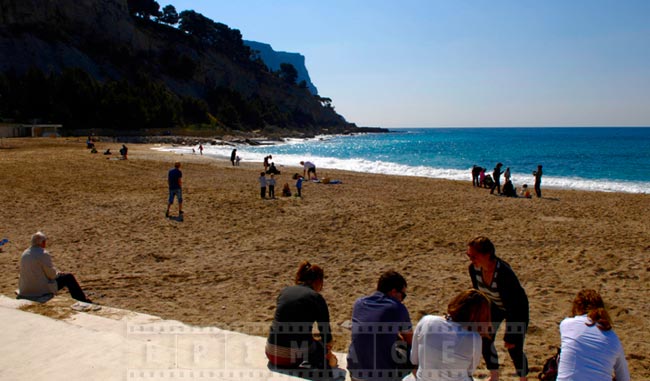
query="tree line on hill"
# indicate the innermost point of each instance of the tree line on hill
(140, 99)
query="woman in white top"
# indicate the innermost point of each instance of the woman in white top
(449, 347)
(590, 348)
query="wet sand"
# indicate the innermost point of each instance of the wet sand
(226, 262)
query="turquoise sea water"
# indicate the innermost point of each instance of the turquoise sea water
(614, 159)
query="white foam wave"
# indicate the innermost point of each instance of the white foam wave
(291, 163)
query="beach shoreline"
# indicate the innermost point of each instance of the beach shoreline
(225, 264)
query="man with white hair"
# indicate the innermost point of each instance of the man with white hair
(39, 279)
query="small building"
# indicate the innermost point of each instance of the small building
(14, 130)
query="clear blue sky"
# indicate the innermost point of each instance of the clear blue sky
(438, 63)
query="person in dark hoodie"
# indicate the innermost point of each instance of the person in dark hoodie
(497, 280)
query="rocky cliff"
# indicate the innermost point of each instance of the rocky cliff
(101, 38)
(273, 59)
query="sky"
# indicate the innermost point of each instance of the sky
(461, 63)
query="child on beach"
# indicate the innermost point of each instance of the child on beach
(262, 181)
(298, 179)
(525, 192)
(286, 191)
(271, 184)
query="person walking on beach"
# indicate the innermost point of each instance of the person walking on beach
(538, 181)
(262, 180)
(380, 325)
(271, 184)
(201, 149)
(495, 278)
(174, 179)
(308, 167)
(233, 156)
(496, 176)
(39, 280)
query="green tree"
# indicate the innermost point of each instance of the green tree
(144, 8)
(169, 15)
(288, 73)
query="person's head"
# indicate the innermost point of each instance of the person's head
(525, 186)
(177, 164)
(539, 166)
(272, 175)
(38, 239)
(310, 275)
(392, 284)
(471, 309)
(480, 250)
(262, 174)
(302, 163)
(499, 165)
(590, 302)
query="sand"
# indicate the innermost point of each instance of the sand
(226, 262)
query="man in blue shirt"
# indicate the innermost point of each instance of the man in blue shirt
(174, 179)
(381, 332)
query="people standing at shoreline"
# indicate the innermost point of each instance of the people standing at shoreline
(497, 280)
(175, 181)
(476, 172)
(39, 280)
(381, 329)
(262, 180)
(496, 176)
(481, 178)
(590, 349)
(308, 167)
(233, 156)
(506, 175)
(538, 181)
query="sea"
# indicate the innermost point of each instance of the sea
(605, 159)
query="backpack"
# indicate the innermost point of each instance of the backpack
(549, 371)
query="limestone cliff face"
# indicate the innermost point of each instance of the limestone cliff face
(102, 38)
(273, 59)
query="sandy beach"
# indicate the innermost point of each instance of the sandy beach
(226, 262)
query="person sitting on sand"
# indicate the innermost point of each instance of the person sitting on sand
(590, 349)
(286, 190)
(108, 152)
(509, 189)
(291, 343)
(39, 280)
(525, 192)
(449, 347)
(381, 332)
(273, 170)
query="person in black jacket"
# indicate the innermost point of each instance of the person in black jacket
(291, 343)
(495, 278)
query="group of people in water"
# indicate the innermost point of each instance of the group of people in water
(385, 346)
(493, 182)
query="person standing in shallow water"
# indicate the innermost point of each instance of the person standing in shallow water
(538, 181)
